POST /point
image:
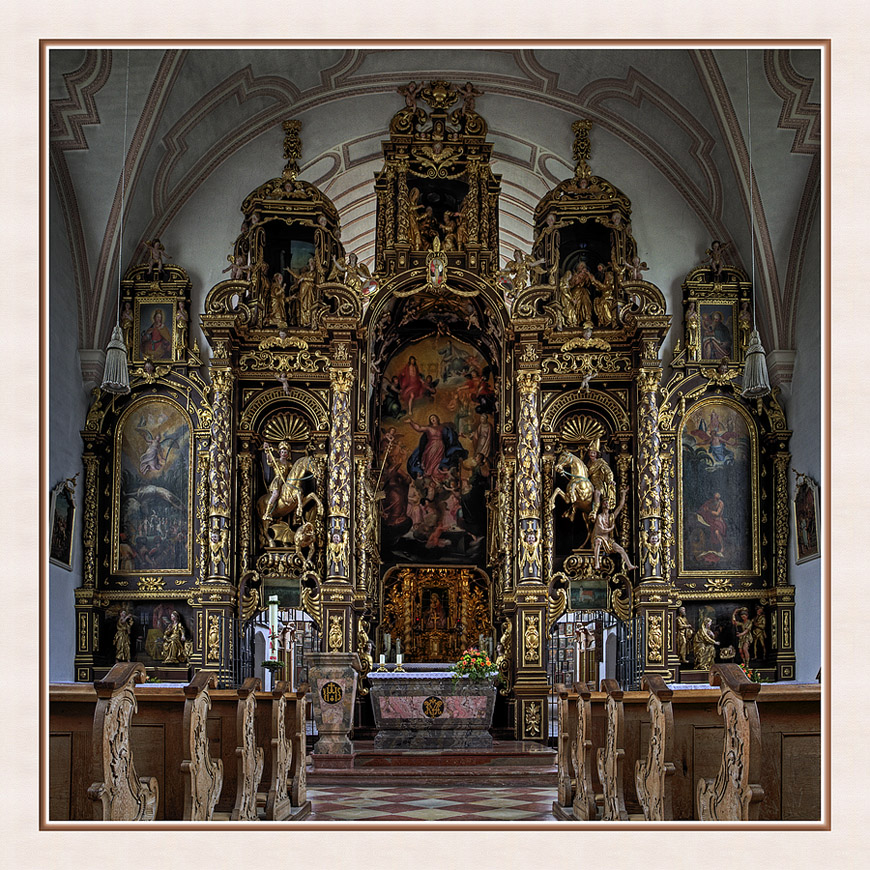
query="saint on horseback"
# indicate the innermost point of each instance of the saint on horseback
(286, 493)
(579, 493)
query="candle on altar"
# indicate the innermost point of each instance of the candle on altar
(398, 658)
(273, 628)
(398, 649)
(383, 659)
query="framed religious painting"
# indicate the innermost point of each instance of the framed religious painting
(716, 322)
(805, 511)
(63, 518)
(718, 467)
(152, 511)
(153, 330)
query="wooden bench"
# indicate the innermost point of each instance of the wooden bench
(652, 775)
(119, 793)
(736, 793)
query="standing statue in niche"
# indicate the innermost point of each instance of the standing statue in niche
(743, 629)
(704, 645)
(122, 637)
(278, 300)
(182, 320)
(685, 633)
(580, 284)
(127, 325)
(759, 632)
(305, 293)
(174, 638)
(605, 304)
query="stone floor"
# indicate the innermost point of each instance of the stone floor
(435, 803)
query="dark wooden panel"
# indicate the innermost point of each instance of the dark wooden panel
(801, 776)
(60, 780)
(147, 744)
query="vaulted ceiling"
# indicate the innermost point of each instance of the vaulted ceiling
(177, 129)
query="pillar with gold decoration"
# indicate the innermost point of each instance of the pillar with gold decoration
(87, 624)
(214, 599)
(783, 594)
(337, 592)
(653, 599)
(530, 686)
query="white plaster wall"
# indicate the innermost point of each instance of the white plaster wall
(68, 404)
(803, 411)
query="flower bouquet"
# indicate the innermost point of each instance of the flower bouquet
(475, 665)
(753, 675)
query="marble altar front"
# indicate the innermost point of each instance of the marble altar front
(428, 709)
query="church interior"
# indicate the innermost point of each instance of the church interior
(433, 422)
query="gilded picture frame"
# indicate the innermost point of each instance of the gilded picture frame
(152, 511)
(154, 330)
(805, 516)
(62, 514)
(718, 460)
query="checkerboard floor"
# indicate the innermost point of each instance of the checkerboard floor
(431, 804)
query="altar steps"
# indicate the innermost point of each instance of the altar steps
(509, 761)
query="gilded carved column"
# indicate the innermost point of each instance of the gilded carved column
(529, 478)
(402, 197)
(473, 202)
(339, 476)
(652, 596)
(649, 476)
(219, 474)
(89, 526)
(246, 500)
(548, 529)
(781, 461)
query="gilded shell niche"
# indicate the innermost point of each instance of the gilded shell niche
(286, 427)
(582, 429)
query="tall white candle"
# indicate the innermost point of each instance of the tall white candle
(273, 628)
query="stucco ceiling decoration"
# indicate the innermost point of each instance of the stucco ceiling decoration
(201, 110)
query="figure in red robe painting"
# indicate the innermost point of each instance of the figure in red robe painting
(411, 385)
(710, 515)
(156, 339)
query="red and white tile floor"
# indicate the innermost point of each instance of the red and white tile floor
(456, 803)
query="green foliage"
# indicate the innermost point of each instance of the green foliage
(475, 665)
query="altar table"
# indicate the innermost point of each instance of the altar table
(427, 709)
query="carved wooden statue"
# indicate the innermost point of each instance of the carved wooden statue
(121, 796)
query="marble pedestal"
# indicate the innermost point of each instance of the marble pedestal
(333, 681)
(428, 710)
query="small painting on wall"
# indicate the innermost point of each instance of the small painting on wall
(63, 516)
(806, 519)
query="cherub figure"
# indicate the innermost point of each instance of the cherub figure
(410, 93)
(237, 268)
(517, 271)
(156, 254)
(715, 259)
(468, 93)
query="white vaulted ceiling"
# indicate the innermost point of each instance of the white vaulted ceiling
(203, 129)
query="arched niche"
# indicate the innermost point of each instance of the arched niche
(718, 491)
(152, 511)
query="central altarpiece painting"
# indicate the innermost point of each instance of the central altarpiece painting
(436, 447)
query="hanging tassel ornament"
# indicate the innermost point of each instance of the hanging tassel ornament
(116, 377)
(755, 380)
(756, 383)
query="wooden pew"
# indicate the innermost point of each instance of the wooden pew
(566, 752)
(120, 795)
(297, 708)
(610, 756)
(203, 776)
(278, 805)
(249, 755)
(736, 792)
(653, 774)
(584, 795)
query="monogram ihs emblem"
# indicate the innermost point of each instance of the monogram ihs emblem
(433, 707)
(331, 693)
